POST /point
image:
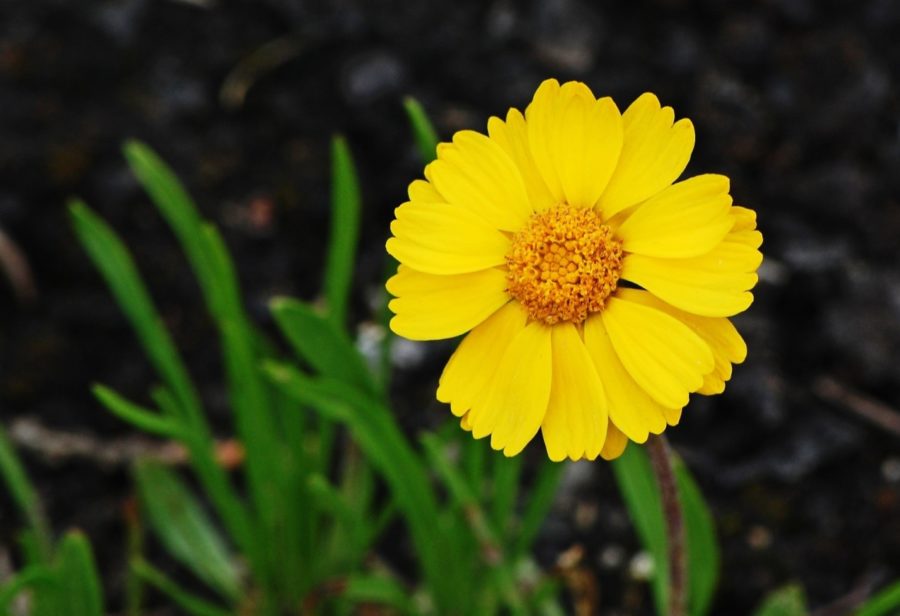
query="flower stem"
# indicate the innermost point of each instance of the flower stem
(661, 460)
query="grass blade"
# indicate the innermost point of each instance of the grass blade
(191, 604)
(136, 415)
(640, 492)
(541, 495)
(884, 603)
(702, 546)
(78, 579)
(423, 132)
(345, 208)
(25, 497)
(117, 267)
(185, 529)
(320, 343)
(788, 601)
(379, 437)
(380, 590)
(479, 523)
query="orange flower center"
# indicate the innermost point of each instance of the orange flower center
(563, 265)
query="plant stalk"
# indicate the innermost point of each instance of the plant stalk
(661, 460)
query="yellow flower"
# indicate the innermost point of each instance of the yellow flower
(594, 290)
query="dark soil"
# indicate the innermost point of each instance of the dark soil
(795, 100)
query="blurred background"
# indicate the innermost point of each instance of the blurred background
(798, 101)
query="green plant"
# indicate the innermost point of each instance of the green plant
(58, 578)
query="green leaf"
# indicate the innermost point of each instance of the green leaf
(136, 415)
(375, 430)
(77, 577)
(317, 341)
(25, 497)
(787, 601)
(36, 577)
(702, 545)
(378, 589)
(639, 489)
(192, 604)
(345, 207)
(117, 267)
(212, 266)
(185, 529)
(885, 603)
(423, 132)
(540, 500)
(180, 212)
(483, 532)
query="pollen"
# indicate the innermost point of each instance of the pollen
(563, 265)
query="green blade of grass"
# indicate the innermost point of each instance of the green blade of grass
(36, 577)
(884, 603)
(25, 497)
(191, 604)
(317, 341)
(540, 501)
(345, 208)
(639, 490)
(117, 267)
(480, 524)
(378, 589)
(185, 529)
(378, 435)
(215, 273)
(136, 415)
(423, 132)
(507, 473)
(78, 578)
(787, 601)
(702, 545)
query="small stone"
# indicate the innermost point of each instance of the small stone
(890, 470)
(612, 557)
(759, 538)
(641, 566)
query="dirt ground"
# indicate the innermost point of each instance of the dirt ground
(795, 100)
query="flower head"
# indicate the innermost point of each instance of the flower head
(594, 290)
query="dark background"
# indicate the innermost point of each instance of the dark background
(795, 100)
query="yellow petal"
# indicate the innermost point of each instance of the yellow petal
(475, 173)
(444, 239)
(464, 423)
(512, 136)
(615, 443)
(576, 420)
(716, 284)
(430, 307)
(422, 191)
(719, 333)
(686, 219)
(517, 395)
(631, 408)
(745, 218)
(654, 153)
(661, 353)
(472, 366)
(575, 140)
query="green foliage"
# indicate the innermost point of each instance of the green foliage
(787, 601)
(884, 603)
(423, 132)
(61, 579)
(185, 529)
(640, 491)
(311, 511)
